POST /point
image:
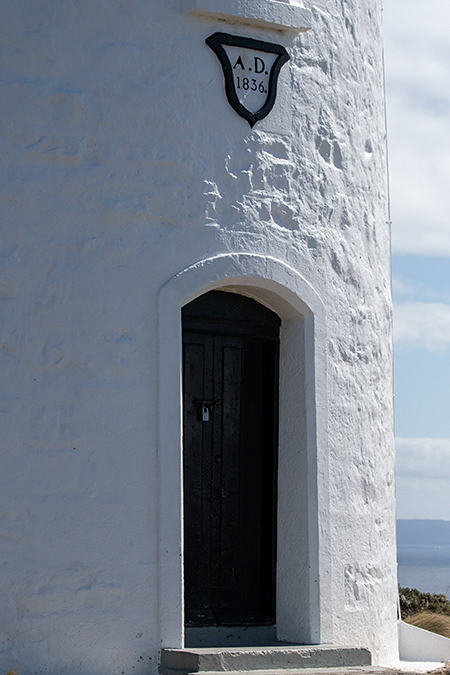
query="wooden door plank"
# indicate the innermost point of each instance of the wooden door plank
(230, 498)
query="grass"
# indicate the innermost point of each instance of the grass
(430, 611)
(436, 623)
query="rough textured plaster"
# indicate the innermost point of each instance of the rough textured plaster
(123, 164)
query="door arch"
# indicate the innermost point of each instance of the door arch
(303, 603)
(230, 441)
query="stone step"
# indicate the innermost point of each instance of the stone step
(274, 658)
(351, 670)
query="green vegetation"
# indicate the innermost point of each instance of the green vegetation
(413, 601)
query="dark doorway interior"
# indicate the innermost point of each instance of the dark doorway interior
(230, 397)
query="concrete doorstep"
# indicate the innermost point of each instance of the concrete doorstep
(369, 670)
(207, 660)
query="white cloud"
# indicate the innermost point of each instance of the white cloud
(417, 42)
(423, 457)
(423, 474)
(422, 324)
(401, 285)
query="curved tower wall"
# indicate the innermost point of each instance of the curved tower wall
(131, 187)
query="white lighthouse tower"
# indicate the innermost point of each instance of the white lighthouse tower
(197, 436)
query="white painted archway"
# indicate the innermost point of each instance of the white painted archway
(303, 571)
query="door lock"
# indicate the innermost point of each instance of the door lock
(204, 408)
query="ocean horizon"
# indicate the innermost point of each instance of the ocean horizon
(423, 555)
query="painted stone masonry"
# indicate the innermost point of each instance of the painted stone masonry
(131, 187)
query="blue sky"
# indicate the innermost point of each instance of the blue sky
(417, 60)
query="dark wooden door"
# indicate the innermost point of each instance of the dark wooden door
(230, 380)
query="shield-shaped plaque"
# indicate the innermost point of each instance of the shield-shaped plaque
(251, 69)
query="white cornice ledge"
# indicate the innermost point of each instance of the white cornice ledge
(265, 13)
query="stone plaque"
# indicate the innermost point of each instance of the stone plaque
(251, 69)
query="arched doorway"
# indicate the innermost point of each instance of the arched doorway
(304, 611)
(230, 433)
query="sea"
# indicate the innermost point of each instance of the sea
(425, 567)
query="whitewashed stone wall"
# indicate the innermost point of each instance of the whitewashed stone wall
(123, 165)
